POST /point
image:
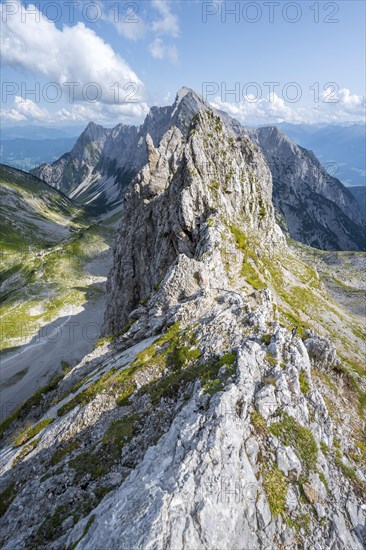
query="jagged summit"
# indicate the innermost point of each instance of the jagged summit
(93, 131)
(187, 98)
(188, 186)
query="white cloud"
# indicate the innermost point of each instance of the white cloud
(129, 22)
(274, 109)
(73, 54)
(167, 22)
(26, 110)
(132, 25)
(160, 51)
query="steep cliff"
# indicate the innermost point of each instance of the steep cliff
(189, 182)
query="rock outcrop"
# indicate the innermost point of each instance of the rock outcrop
(190, 182)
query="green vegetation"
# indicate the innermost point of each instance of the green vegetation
(324, 448)
(87, 527)
(120, 433)
(30, 431)
(227, 359)
(304, 383)
(66, 367)
(323, 480)
(266, 339)
(258, 422)
(65, 449)
(270, 359)
(108, 339)
(87, 463)
(290, 432)
(52, 526)
(26, 450)
(248, 271)
(275, 487)
(6, 498)
(97, 464)
(302, 521)
(45, 277)
(31, 403)
(350, 474)
(251, 276)
(175, 350)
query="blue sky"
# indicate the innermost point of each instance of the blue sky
(287, 61)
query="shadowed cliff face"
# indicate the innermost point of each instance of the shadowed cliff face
(166, 210)
(317, 208)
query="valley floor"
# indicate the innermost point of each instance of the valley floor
(66, 340)
(43, 349)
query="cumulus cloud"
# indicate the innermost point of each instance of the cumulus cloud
(161, 51)
(129, 23)
(166, 23)
(73, 54)
(274, 109)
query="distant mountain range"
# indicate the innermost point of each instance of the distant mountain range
(341, 148)
(317, 209)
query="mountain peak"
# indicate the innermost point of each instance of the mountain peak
(189, 101)
(93, 130)
(185, 91)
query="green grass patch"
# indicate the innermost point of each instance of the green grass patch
(26, 450)
(304, 383)
(30, 431)
(31, 403)
(66, 448)
(291, 433)
(266, 339)
(87, 463)
(350, 474)
(258, 422)
(109, 339)
(275, 488)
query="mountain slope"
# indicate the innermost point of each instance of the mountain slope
(54, 267)
(360, 195)
(103, 162)
(208, 421)
(317, 208)
(33, 211)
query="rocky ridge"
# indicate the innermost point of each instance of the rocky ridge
(204, 421)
